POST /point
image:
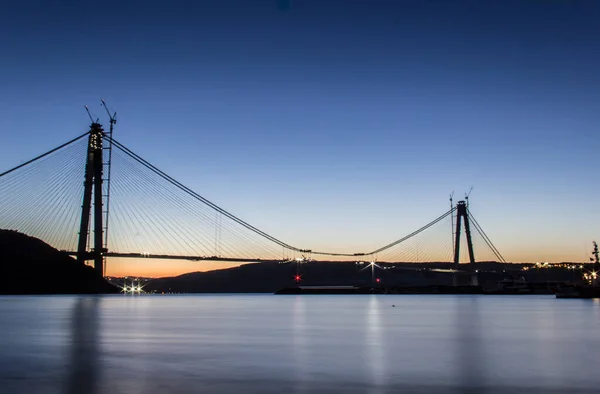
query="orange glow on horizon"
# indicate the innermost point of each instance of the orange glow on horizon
(156, 268)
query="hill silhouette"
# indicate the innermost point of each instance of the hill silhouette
(269, 277)
(31, 266)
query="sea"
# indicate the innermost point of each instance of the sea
(263, 343)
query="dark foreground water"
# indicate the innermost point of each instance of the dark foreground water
(299, 344)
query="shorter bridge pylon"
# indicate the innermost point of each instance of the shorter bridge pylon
(462, 214)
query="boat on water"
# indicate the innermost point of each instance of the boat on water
(331, 290)
(512, 285)
(578, 291)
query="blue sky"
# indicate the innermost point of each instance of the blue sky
(333, 123)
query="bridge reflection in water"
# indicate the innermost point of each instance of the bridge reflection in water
(84, 347)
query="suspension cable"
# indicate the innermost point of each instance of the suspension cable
(425, 227)
(192, 193)
(199, 197)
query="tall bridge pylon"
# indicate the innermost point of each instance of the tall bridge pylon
(92, 192)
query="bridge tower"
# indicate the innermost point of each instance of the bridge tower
(92, 191)
(462, 214)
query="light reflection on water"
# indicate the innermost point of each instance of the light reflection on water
(298, 344)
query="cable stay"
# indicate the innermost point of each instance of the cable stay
(44, 154)
(42, 197)
(486, 239)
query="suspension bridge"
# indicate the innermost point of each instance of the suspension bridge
(95, 199)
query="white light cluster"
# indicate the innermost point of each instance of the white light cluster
(133, 289)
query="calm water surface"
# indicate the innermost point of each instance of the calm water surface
(299, 344)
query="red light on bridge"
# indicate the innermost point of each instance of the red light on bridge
(297, 278)
(378, 280)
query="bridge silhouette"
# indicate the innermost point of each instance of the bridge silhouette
(69, 195)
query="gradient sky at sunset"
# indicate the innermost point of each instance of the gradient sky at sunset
(330, 123)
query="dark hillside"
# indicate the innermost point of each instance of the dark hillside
(269, 277)
(30, 266)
